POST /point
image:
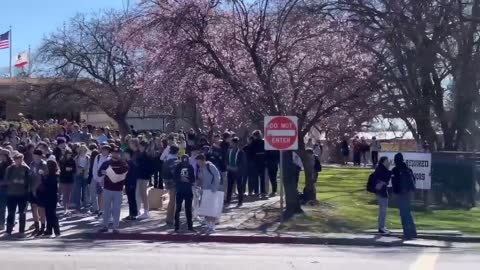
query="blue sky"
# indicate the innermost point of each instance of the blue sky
(32, 19)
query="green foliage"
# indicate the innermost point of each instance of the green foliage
(345, 206)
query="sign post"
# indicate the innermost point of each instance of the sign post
(281, 134)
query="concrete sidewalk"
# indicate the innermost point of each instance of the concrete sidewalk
(255, 222)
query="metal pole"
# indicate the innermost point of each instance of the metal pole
(11, 45)
(281, 186)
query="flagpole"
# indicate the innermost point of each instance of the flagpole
(29, 61)
(11, 45)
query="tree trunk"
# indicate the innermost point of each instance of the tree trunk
(292, 200)
(309, 191)
(123, 126)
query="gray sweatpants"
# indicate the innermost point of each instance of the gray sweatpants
(112, 205)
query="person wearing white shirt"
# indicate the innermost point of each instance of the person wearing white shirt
(96, 187)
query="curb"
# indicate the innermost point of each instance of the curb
(235, 239)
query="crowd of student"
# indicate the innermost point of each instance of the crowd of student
(79, 168)
(361, 150)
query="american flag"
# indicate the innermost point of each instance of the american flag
(5, 40)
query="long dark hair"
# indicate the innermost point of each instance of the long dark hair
(53, 168)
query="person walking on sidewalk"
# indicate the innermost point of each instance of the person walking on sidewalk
(403, 183)
(184, 181)
(19, 184)
(114, 173)
(47, 196)
(131, 184)
(168, 175)
(382, 176)
(211, 206)
(38, 170)
(236, 163)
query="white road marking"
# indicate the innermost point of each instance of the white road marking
(427, 260)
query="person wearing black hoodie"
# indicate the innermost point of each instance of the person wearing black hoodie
(382, 176)
(131, 185)
(145, 173)
(184, 181)
(258, 155)
(403, 184)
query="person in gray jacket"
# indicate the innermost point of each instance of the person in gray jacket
(211, 206)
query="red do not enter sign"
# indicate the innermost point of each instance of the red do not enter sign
(281, 133)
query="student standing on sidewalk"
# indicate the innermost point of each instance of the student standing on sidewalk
(114, 172)
(168, 175)
(382, 176)
(185, 179)
(236, 163)
(38, 170)
(145, 170)
(211, 206)
(131, 185)
(68, 169)
(5, 162)
(96, 187)
(82, 161)
(19, 183)
(403, 183)
(47, 194)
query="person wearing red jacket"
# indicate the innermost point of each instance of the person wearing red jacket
(114, 172)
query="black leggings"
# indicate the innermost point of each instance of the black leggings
(52, 219)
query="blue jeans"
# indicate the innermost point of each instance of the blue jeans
(404, 205)
(112, 205)
(3, 207)
(80, 191)
(382, 212)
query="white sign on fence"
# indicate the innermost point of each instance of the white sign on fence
(420, 163)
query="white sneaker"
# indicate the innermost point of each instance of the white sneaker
(144, 216)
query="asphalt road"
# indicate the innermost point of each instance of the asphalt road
(68, 255)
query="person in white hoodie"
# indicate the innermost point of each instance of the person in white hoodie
(96, 187)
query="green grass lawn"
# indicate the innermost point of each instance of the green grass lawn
(345, 206)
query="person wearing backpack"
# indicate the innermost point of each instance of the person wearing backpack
(403, 183)
(381, 178)
(168, 175)
(211, 206)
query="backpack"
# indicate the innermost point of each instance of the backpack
(318, 165)
(407, 181)
(168, 168)
(371, 183)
